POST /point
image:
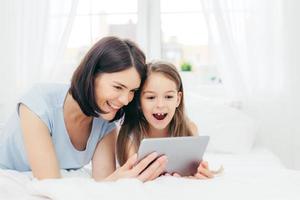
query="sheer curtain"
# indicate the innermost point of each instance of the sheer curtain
(249, 38)
(34, 35)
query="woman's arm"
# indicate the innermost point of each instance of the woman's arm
(38, 145)
(104, 161)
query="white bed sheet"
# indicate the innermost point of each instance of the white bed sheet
(256, 175)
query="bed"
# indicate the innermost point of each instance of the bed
(254, 175)
(251, 171)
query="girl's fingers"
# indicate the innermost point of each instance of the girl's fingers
(219, 171)
(200, 176)
(204, 164)
(205, 172)
(203, 169)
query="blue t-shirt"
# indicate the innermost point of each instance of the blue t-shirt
(46, 101)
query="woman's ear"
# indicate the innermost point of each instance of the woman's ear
(179, 96)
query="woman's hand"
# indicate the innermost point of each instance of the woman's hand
(140, 170)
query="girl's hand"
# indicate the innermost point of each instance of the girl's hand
(203, 172)
(140, 170)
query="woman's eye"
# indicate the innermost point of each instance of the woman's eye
(133, 91)
(118, 87)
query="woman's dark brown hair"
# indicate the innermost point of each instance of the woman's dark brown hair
(108, 55)
(135, 125)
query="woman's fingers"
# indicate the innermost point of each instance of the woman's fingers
(163, 161)
(139, 167)
(130, 162)
(154, 170)
(146, 171)
(167, 174)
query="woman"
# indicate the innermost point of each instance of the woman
(65, 127)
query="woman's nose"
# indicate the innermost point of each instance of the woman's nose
(125, 98)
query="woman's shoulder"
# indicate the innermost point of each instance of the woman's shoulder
(44, 100)
(49, 89)
(48, 93)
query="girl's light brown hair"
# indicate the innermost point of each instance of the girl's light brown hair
(135, 126)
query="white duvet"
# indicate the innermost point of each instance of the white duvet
(256, 175)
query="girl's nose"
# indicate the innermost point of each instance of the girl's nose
(160, 102)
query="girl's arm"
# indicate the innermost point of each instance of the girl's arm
(104, 161)
(38, 145)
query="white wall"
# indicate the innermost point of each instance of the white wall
(291, 8)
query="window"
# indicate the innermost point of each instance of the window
(185, 39)
(172, 30)
(96, 19)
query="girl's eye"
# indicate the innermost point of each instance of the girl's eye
(150, 97)
(169, 97)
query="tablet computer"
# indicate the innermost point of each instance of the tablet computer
(184, 153)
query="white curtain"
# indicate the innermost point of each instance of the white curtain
(34, 35)
(250, 39)
(247, 38)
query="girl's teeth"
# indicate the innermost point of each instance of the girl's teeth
(159, 116)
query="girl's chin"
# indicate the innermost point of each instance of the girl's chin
(159, 126)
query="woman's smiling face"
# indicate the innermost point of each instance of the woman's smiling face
(159, 100)
(115, 90)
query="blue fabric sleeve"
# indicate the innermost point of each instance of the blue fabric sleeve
(107, 128)
(34, 100)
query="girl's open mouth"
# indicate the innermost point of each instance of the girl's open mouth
(160, 116)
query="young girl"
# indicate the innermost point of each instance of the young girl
(157, 111)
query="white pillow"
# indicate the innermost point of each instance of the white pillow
(230, 130)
